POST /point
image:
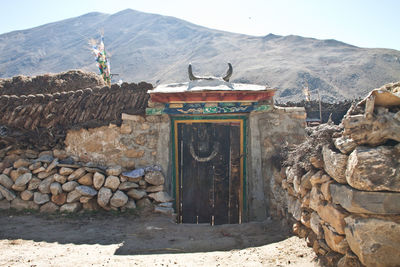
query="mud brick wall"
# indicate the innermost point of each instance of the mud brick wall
(51, 181)
(342, 188)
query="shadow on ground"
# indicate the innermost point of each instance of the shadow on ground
(150, 234)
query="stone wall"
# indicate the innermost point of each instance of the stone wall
(50, 181)
(342, 187)
(139, 141)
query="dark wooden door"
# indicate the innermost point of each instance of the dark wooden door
(209, 172)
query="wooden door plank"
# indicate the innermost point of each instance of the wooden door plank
(234, 182)
(189, 172)
(205, 182)
(221, 174)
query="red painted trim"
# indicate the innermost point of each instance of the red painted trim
(214, 96)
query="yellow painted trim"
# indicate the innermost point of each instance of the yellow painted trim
(177, 173)
(241, 173)
(177, 178)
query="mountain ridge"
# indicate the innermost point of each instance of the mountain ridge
(157, 49)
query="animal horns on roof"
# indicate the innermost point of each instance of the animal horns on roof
(226, 78)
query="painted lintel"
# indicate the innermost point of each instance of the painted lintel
(206, 108)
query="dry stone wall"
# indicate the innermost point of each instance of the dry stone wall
(342, 188)
(50, 181)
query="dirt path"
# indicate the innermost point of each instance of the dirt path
(154, 240)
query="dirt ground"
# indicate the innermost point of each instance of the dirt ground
(152, 240)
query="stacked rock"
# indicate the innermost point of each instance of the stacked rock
(50, 181)
(347, 203)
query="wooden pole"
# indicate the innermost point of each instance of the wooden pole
(320, 106)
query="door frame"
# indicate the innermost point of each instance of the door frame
(242, 120)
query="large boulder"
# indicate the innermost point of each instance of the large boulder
(114, 171)
(119, 199)
(344, 144)
(6, 181)
(164, 197)
(34, 183)
(55, 188)
(372, 131)
(78, 173)
(73, 196)
(23, 179)
(365, 202)
(14, 174)
(136, 194)
(316, 198)
(294, 207)
(18, 188)
(127, 185)
(98, 180)
(44, 186)
(335, 241)
(87, 179)
(334, 216)
(374, 169)
(21, 163)
(154, 178)
(40, 198)
(112, 182)
(375, 241)
(335, 164)
(71, 207)
(86, 190)
(26, 195)
(8, 194)
(103, 197)
(60, 178)
(316, 224)
(65, 171)
(69, 186)
(60, 199)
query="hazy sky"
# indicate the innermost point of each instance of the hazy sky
(365, 23)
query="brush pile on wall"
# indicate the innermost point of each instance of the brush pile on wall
(50, 181)
(343, 184)
(36, 112)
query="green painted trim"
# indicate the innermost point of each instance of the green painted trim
(154, 111)
(262, 108)
(245, 168)
(208, 108)
(173, 165)
(207, 117)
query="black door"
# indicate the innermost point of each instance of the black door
(209, 172)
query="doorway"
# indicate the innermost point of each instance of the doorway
(209, 169)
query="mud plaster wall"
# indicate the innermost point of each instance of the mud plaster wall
(140, 141)
(145, 140)
(268, 132)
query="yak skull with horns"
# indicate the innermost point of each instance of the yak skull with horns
(225, 78)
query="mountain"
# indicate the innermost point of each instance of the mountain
(157, 49)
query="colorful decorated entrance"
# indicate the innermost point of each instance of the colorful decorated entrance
(209, 126)
(209, 168)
